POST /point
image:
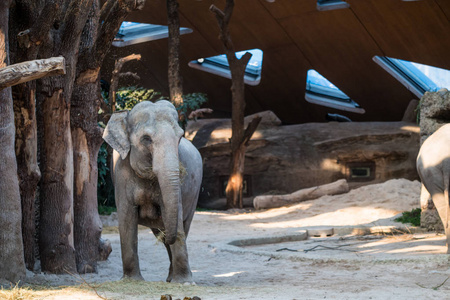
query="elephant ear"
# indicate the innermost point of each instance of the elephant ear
(116, 134)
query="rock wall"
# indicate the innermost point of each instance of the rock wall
(283, 159)
(434, 112)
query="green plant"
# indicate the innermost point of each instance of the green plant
(105, 189)
(106, 210)
(412, 217)
(191, 102)
(128, 97)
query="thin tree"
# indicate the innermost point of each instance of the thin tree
(174, 77)
(239, 136)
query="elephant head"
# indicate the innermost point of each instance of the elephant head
(149, 134)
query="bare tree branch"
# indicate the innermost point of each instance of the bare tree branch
(251, 128)
(115, 78)
(106, 9)
(198, 113)
(112, 17)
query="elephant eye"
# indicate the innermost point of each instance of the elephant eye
(146, 139)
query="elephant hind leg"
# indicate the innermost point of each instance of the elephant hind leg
(440, 200)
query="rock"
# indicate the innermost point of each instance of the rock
(200, 132)
(434, 112)
(111, 220)
(284, 159)
(410, 114)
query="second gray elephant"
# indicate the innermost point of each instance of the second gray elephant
(433, 166)
(157, 176)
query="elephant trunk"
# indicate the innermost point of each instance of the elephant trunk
(168, 172)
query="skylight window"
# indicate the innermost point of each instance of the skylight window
(331, 4)
(320, 91)
(218, 65)
(133, 33)
(417, 78)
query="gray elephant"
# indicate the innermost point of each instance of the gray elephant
(433, 165)
(157, 175)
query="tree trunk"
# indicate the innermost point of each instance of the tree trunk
(56, 243)
(96, 40)
(239, 137)
(86, 136)
(175, 79)
(28, 27)
(28, 169)
(12, 263)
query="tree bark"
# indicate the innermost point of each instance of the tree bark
(12, 262)
(239, 137)
(271, 201)
(57, 249)
(104, 23)
(174, 76)
(30, 23)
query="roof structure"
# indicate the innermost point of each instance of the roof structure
(296, 36)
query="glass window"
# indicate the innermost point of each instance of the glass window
(331, 4)
(321, 91)
(417, 78)
(133, 33)
(218, 65)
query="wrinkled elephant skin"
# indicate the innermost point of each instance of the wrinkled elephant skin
(433, 166)
(157, 175)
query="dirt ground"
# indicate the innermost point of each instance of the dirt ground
(346, 265)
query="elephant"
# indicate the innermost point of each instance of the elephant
(157, 176)
(433, 166)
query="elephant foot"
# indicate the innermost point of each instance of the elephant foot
(185, 279)
(85, 268)
(137, 277)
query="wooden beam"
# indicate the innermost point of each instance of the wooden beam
(31, 70)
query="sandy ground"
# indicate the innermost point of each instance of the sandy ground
(342, 266)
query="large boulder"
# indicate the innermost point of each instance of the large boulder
(434, 112)
(283, 159)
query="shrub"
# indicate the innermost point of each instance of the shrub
(412, 217)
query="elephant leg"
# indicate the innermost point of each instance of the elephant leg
(442, 206)
(180, 271)
(128, 221)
